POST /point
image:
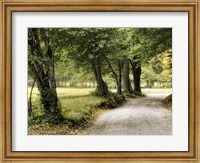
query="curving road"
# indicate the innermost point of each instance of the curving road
(142, 116)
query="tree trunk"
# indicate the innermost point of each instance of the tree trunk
(136, 70)
(137, 73)
(52, 80)
(30, 99)
(101, 85)
(65, 81)
(126, 79)
(116, 77)
(119, 83)
(47, 96)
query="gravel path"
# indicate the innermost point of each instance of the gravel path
(142, 116)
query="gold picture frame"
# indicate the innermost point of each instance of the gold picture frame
(9, 6)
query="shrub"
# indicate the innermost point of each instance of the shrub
(168, 102)
(39, 116)
(113, 100)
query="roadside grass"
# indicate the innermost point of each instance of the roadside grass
(78, 104)
(79, 108)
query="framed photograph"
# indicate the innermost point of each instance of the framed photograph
(100, 81)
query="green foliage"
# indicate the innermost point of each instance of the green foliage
(37, 107)
(115, 100)
(112, 100)
(46, 118)
(156, 64)
(158, 70)
(37, 112)
(39, 115)
(78, 50)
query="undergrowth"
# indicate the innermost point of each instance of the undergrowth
(167, 102)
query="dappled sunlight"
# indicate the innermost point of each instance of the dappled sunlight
(76, 73)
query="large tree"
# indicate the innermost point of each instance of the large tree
(146, 43)
(118, 61)
(88, 47)
(41, 67)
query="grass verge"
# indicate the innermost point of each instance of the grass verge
(79, 109)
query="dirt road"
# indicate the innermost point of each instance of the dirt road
(142, 116)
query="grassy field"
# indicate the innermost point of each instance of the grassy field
(68, 92)
(78, 104)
